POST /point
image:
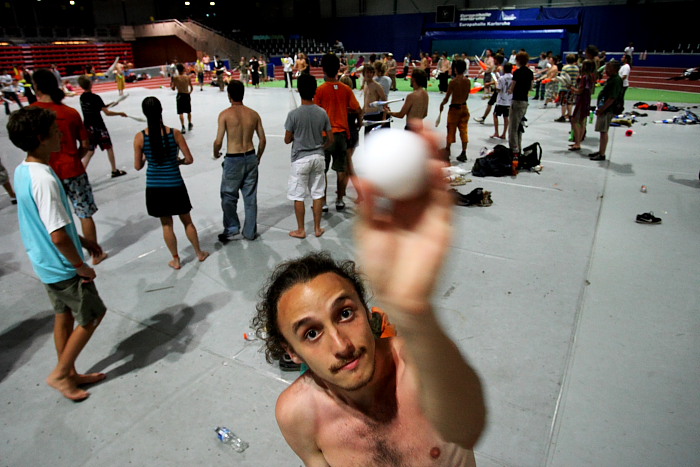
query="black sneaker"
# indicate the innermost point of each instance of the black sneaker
(648, 218)
(561, 119)
(462, 157)
(287, 364)
(226, 237)
(189, 127)
(339, 205)
(596, 156)
(324, 208)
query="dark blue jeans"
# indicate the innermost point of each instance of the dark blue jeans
(240, 174)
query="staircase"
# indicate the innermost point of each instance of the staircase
(194, 34)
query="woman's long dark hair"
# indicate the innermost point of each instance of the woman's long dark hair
(45, 82)
(154, 116)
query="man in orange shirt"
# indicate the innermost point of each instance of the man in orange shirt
(336, 99)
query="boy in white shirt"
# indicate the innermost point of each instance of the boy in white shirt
(505, 97)
(55, 248)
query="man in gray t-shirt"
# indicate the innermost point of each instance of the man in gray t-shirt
(307, 128)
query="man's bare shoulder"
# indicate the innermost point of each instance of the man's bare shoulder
(301, 395)
(297, 412)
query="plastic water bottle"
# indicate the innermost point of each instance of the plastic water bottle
(227, 436)
(515, 164)
(590, 117)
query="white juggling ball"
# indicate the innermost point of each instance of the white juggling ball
(395, 161)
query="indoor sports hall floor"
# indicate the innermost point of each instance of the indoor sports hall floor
(583, 324)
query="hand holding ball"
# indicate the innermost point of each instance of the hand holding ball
(395, 162)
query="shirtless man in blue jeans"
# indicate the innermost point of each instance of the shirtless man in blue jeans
(238, 123)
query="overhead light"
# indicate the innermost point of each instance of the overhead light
(212, 3)
(187, 3)
(72, 2)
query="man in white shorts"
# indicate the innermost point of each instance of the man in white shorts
(305, 127)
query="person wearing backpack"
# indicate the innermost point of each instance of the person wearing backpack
(609, 105)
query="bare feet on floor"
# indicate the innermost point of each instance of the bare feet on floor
(67, 386)
(98, 259)
(301, 233)
(175, 262)
(319, 232)
(202, 255)
(89, 378)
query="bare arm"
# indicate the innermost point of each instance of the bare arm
(297, 426)
(139, 156)
(220, 133)
(402, 252)
(261, 138)
(288, 137)
(84, 148)
(109, 113)
(182, 144)
(405, 109)
(64, 244)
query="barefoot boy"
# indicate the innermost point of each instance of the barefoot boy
(183, 84)
(55, 248)
(416, 105)
(305, 127)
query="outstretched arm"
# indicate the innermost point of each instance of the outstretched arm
(402, 253)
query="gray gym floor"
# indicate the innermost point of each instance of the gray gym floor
(582, 323)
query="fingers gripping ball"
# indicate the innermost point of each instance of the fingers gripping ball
(395, 161)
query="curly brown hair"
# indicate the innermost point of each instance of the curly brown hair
(284, 277)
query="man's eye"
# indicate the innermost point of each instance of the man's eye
(347, 313)
(311, 334)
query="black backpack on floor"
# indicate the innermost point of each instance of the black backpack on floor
(497, 163)
(530, 157)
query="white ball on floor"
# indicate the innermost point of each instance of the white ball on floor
(395, 161)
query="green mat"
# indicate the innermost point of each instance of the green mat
(650, 96)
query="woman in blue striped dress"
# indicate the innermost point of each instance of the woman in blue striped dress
(166, 194)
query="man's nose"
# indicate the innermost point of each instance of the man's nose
(342, 345)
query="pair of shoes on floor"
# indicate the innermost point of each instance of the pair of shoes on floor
(561, 119)
(339, 205)
(476, 197)
(647, 218)
(226, 237)
(596, 156)
(462, 157)
(118, 173)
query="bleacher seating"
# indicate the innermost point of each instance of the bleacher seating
(69, 58)
(276, 45)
